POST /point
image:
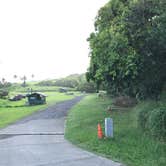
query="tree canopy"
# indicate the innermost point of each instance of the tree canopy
(127, 49)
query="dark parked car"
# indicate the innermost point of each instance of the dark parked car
(17, 97)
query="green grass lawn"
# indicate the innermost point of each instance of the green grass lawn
(129, 145)
(11, 111)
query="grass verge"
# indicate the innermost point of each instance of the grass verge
(129, 145)
(11, 111)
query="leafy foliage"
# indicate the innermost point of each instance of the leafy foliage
(77, 81)
(72, 83)
(88, 87)
(153, 121)
(129, 146)
(46, 83)
(3, 94)
(4, 84)
(128, 48)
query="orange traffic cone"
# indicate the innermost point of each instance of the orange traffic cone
(100, 133)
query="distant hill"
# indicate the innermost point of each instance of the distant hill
(76, 81)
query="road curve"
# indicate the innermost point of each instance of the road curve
(38, 140)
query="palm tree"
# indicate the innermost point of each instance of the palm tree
(32, 75)
(15, 76)
(24, 78)
(3, 81)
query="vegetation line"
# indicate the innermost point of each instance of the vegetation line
(130, 144)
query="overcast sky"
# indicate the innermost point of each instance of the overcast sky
(46, 38)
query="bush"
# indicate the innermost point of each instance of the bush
(157, 123)
(125, 101)
(71, 83)
(143, 118)
(88, 87)
(3, 93)
(46, 83)
(153, 122)
(6, 85)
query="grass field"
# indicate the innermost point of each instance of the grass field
(11, 111)
(129, 145)
(18, 88)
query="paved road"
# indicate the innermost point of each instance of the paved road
(38, 140)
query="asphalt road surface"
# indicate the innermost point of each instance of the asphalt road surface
(38, 140)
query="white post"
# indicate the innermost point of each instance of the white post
(108, 127)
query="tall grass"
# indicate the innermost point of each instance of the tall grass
(129, 145)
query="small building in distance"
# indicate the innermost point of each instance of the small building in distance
(36, 98)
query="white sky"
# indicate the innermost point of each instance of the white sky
(46, 38)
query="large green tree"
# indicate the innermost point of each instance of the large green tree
(128, 47)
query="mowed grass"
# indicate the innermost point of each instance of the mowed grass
(129, 145)
(11, 111)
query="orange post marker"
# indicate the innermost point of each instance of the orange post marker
(100, 133)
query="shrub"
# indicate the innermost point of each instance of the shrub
(125, 101)
(153, 121)
(46, 83)
(88, 87)
(157, 123)
(64, 82)
(3, 93)
(143, 118)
